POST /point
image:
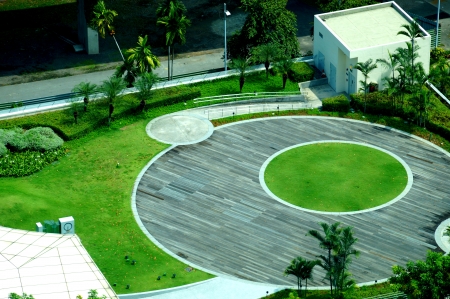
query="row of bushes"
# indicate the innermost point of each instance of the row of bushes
(338, 103)
(36, 139)
(62, 122)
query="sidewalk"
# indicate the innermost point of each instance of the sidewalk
(45, 88)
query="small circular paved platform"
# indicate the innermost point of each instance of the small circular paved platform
(205, 203)
(180, 129)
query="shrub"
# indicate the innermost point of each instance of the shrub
(16, 141)
(169, 96)
(301, 72)
(338, 103)
(42, 139)
(18, 164)
(3, 150)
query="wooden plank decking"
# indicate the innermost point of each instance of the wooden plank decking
(215, 212)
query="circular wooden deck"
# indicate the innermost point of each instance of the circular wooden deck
(215, 213)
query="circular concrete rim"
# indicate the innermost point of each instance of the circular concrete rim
(155, 158)
(205, 136)
(438, 236)
(392, 201)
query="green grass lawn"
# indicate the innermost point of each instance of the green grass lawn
(87, 185)
(335, 177)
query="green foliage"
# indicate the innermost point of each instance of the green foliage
(338, 103)
(103, 19)
(429, 279)
(438, 53)
(173, 95)
(18, 164)
(16, 296)
(268, 21)
(93, 294)
(36, 139)
(301, 72)
(142, 56)
(333, 5)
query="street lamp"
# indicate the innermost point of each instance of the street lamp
(437, 24)
(226, 13)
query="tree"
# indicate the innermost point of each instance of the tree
(144, 85)
(112, 88)
(333, 5)
(328, 241)
(127, 70)
(344, 252)
(283, 66)
(265, 53)
(142, 56)
(267, 21)
(390, 64)
(175, 23)
(241, 65)
(85, 89)
(302, 269)
(412, 30)
(102, 22)
(365, 68)
(429, 279)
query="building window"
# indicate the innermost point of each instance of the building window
(320, 34)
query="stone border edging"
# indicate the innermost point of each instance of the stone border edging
(438, 237)
(392, 201)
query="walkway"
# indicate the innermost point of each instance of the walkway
(217, 216)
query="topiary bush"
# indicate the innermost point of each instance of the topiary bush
(3, 150)
(42, 139)
(338, 103)
(300, 72)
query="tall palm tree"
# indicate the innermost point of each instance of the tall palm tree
(111, 89)
(345, 250)
(85, 89)
(102, 22)
(266, 53)
(241, 65)
(171, 16)
(144, 85)
(127, 70)
(297, 268)
(328, 241)
(143, 57)
(390, 64)
(283, 66)
(307, 273)
(365, 68)
(412, 30)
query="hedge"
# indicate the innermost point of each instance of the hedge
(62, 122)
(438, 120)
(301, 72)
(338, 103)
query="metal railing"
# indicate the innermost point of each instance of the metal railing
(245, 96)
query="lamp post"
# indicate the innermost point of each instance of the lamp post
(437, 24)
(225, 14)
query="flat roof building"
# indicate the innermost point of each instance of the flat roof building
(344, 38)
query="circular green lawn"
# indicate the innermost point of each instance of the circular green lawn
(335, 177)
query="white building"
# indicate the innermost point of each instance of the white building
(344, 38)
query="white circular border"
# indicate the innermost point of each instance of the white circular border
(400, 196)
(441, 240)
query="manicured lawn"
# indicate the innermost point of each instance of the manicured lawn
(335, 177)
(26, 4)
(87, 185)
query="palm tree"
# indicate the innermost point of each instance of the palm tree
(102, 22)
(345, 250)
(241, 65)
(127, 70)
(412, 30)
(266, 53)
(171, 16)
(390, 64)
(143, 57)
(297, 268)
(365, 68)
(85, 89)
(144, 85)
(307, 273)
(111, 89)
(283, 66)
(328, 241)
